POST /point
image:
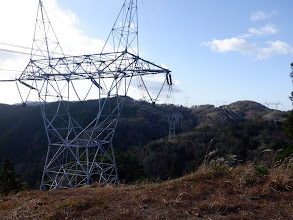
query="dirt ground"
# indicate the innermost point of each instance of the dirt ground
(233, 194)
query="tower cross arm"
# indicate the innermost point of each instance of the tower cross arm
(107, 65)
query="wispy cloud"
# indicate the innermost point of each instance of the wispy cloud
(250, 49)
(275, 48)
(261, 15)
(269, 29)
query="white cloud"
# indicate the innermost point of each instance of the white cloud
(275, 48)
(244, 36)
(18, 23)
(72, 39)
(242, 45)
(232, 44)
(17, 27)
(164, 66)
(265, 30)
(246, 48)
(261, 15)
(268, 29)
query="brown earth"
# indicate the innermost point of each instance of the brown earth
(210, 193)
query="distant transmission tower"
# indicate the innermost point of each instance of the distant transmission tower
(81, 151)
(174, 119)
(186, 101)
(291, 75)
(272, 116)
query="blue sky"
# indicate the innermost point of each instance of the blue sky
(218, 51)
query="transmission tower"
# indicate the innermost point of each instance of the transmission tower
(291, 75)
(80, 152)
(186, 101)
(272, 116)
(174, 119)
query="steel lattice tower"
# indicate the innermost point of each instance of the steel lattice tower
(291, 76)
(173, 118)
(272, 116)
(80, 152)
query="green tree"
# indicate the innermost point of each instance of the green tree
(288, 125)
(129, 168)
(8, 178)
(173, 173)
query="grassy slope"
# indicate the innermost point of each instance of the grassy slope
(221, 193)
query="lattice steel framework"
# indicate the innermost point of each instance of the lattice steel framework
(174, 119)
(272, 116)
(291, 75)
(80, 152)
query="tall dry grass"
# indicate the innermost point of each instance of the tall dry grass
(275, 175)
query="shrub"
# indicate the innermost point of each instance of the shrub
(8, 178)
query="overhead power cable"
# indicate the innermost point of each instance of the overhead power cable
(23, 47)
(14, 51)
(20, 71)
(14, 45)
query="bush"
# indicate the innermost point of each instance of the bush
(261, 170)
(8, 178)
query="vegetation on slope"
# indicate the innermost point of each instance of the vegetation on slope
(141, 139)
(163, 159)
(8, 178)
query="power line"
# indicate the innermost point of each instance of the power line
(14, 45)
(23, 47)
(20, 71)
(14, 51)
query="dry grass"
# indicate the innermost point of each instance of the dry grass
(215, 191)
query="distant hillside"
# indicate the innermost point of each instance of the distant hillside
(236, 112)
(23, 139)
(240, 128)
(243, 129)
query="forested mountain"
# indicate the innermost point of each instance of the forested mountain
(141, 140)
